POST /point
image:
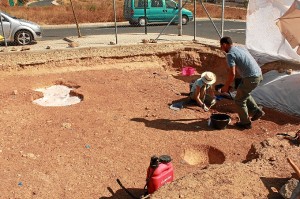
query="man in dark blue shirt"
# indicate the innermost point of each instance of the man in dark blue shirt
(239, 59)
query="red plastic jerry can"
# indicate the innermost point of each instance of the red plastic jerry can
(159, 172)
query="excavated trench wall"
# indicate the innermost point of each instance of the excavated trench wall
(172, 56)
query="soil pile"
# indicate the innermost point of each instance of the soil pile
(266, 170)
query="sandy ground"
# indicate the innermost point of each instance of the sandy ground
(79, 151)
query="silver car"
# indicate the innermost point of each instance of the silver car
(19, 31)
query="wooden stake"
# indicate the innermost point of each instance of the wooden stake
(78, 30)
(294, 166)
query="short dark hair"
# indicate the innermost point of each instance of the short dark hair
(225, 40)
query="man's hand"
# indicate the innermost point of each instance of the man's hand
(230, 79)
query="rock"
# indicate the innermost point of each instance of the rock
(287, 189)
(145, 41)
(112, 43)
(28, 155)
(48, 47)
(296, 192)
(289, 71)
(127, 168)
(66, 125)
(272, 159)
(15, 92)
(153, 41)
(14, 49)
(24, 48)
(73, 44)
(4, 50)
(31, 155)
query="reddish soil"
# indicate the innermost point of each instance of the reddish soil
(79, 151)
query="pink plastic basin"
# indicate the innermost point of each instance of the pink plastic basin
(188, 71)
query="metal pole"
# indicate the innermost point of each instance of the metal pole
(116, 28)
(195, 24)
(180, 19)
(145, 13)
(170, 22)
(3, 30)
(210, 18)
(222, 22)
(78, 30)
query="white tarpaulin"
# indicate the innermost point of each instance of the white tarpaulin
(279, 91)
(263, 34)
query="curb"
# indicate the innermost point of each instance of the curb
(112, 24)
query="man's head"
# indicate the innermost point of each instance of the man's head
(225, 43)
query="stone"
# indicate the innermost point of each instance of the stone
(153, 41)
(296, 192)
(24, 48)
(289, 71)
(4, 50)
(73, 44)
(145, 41)
(66, 125)
(15, 92)
(287, 189)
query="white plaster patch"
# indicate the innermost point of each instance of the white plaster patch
(57, 95)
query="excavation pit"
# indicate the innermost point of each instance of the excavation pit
(203, 155)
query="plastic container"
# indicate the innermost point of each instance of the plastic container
(188, 71)
(219, 120)
(159, 176)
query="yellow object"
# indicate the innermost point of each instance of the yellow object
(1, 38)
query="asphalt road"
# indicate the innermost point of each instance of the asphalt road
(204, 28)
(41, 3)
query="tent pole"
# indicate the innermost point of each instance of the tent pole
(195, 23)
(210, 18)
(180, 18)
(222, 22)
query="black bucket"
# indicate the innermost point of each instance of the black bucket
(219, 120)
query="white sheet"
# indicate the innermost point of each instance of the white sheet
(279, 91)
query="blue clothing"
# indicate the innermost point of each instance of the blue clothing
(243, 61)
(199, 83)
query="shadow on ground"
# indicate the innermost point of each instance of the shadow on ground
(274, 183)
(121, 193)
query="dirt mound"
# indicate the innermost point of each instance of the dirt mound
(257, 178)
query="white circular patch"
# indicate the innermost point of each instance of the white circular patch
(57, 95)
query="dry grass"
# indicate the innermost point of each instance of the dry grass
(91, 11)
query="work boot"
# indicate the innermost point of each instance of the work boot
(257, 115)
(243, 126)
